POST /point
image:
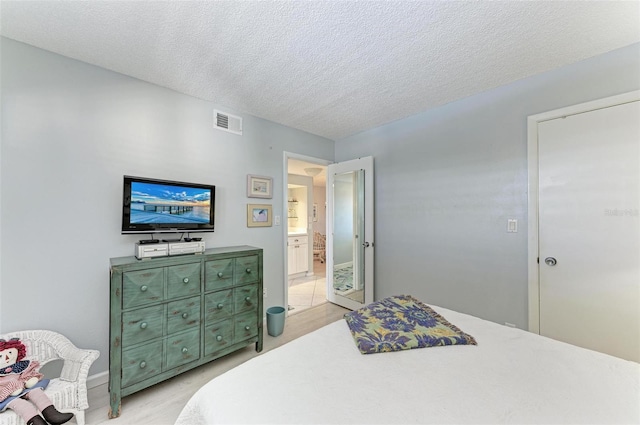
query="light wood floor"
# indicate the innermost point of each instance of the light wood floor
(162, 403)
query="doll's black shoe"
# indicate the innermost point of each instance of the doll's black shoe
(36, 420)
(54, 417)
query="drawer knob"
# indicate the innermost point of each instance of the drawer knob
(143, 325)
(246, 328)
(143, 365)
(185, 315)
(248, 270)
(144, 288)
(220, 274)
(220, 306)
(185, 350)
(247, 299)
(219, 338)
(185, 280)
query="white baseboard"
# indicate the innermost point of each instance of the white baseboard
(98, 379)
(343, 265)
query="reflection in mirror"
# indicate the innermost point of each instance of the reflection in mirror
(348, 235)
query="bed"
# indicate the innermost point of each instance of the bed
(511, 376)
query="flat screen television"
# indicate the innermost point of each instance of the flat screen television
(163, 206)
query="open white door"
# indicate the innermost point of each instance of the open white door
(350, 238)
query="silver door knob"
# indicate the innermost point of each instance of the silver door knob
(550, 261)
(366, 244)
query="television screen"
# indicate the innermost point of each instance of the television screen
(153, 205)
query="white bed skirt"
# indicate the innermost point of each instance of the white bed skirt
(510, 377)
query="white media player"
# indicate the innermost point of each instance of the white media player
(163, 249)
(179, 248)
(150, 250)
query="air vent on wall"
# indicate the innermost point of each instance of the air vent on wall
(227, 122)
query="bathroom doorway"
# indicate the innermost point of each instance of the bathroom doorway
(305, 240)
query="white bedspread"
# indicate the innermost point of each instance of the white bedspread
(511, 376)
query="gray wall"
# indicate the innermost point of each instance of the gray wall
(70, 131)
(448, 179)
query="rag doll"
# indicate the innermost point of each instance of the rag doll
(22, 387)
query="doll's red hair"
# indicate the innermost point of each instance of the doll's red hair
(14, 343)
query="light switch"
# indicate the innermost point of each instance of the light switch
(512, 225)
(277, 220)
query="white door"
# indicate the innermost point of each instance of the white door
(350, 245)
(589, 229)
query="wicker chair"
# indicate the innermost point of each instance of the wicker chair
(67, 392)
(319, 246)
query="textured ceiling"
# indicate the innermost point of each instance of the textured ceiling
(331, 68)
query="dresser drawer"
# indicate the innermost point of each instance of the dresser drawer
(246, 270)
(218, 336)
(183, 314)
(141, 363)
(218, 306)
(245, 326)
(182, 348)
(218, 274)
(183, 280)
(245, 298)
(142, 287)
(142, 325)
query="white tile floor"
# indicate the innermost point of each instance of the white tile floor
(308, 291)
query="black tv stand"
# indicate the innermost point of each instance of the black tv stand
(171, 240)
(146, 241)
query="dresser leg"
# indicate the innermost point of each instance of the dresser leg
(117, 410)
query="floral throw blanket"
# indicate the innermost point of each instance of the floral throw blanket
(401, 323)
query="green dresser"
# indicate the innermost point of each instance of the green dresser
(171, 314)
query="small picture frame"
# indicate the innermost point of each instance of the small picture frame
(259, 186)
(315, 212)
(259, 215)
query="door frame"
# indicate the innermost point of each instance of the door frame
(533, 192)
(284, 222)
